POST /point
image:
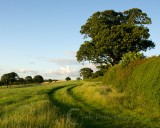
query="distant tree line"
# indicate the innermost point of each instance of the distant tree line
(12, 78)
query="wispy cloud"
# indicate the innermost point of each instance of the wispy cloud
(62, 61)
(26, 71)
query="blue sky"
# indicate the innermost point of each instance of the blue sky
(42, 36)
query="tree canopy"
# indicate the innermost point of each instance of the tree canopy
(28, 79)
(38, 79)
(86, 73)
(68, 78)
(9, 78)
(113, 34)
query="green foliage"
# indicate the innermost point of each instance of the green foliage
(86, 73)
(21, 81)
(114, 34)
(104, 68)
(9, 78)
(140, 80)
(38, 79)
(68, 79)
(130, 56)
(28, 79)
(97, 74)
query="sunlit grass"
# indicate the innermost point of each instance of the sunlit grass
(48, 105)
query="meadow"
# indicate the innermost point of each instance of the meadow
(71, 104)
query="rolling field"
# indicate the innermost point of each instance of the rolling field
(70, 104)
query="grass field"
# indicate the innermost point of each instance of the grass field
(70, 104)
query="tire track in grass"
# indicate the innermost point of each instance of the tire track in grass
(59, 104)
(91, 121)
(63, 107)
(104, 120)
(91, 116)
(88, 115)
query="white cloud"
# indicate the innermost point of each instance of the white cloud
(62, 73)
(50, 72)
(62, 61)
(64, 70)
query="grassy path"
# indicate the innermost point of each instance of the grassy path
(91, 113)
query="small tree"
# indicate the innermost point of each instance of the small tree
(68, 78)
(86, 73)
(38, 79)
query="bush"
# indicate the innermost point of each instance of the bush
(130, 56)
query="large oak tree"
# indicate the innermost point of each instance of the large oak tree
(113, 34)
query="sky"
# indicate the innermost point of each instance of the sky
(41, 37)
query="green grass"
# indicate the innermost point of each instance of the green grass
(29, 107)
(80, 104)
(47, 105)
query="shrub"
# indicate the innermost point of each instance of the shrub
(130, 56)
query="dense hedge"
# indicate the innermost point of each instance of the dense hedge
(140, 79)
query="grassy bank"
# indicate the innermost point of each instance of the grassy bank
(140, 80)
